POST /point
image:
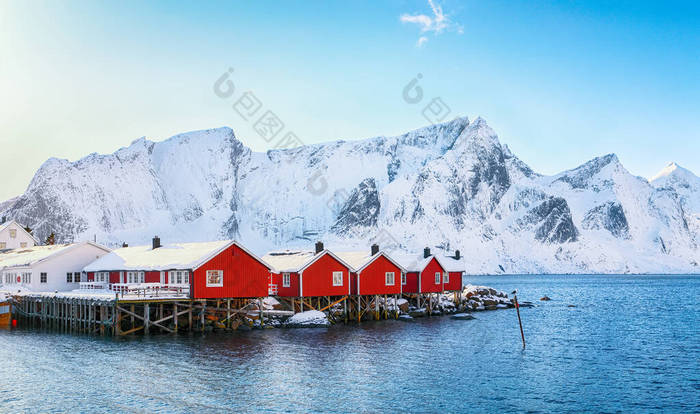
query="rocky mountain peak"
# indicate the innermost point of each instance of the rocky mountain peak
(451, 184)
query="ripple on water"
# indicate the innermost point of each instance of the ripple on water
(631, 343)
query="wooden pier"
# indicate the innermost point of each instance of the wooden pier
(120, 317)
(128, 316)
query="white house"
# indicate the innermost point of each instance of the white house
(14, 236)
(47, 268)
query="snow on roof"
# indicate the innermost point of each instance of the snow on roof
(451, 264)
(166, 257)
(355, 259)
(7, 224)
(359, 259)
(29, 255)
(289, 260)
(415, 262)
(297, 261)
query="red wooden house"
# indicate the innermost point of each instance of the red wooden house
(308, 274)
(374, 272)
(209, 270)
(454, 266)
(423, 274)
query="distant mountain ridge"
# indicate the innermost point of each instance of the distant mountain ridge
(448, 186)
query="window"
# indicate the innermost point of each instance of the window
(13, 233)
(42, 277)
(286, 280)
(437, 278)
(23, 244)
(337, 278)
(389, 278)
(446, 277)
(215, 278)
(135, 277)
(76, 277)
(403, 278)
(179, 277)
(26, 278)
(3, 245)
(102, 277)
(69, 277)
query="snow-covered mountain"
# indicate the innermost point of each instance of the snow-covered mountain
(448, 186)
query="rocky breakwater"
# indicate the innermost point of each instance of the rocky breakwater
(479, 298)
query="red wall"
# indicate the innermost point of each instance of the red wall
(153, 277)
(244, 276)
(292, 290)
(411, 285)
(91, 276)
(455, 281)
(427, 278)
(113, 277)
(317, 279)
(373, 281)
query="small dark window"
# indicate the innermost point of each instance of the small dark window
(43, 277)
(69, 277)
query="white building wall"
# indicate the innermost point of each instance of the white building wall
(56, 267)
(16, 242)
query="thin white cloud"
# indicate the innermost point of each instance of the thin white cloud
(435, 23)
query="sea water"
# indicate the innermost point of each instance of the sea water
(602, 344)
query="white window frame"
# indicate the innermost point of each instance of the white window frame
(387, 276)
(335, 281)
(77, 277)
(43, 277)
(403, 278)
(135, 277)
(446, 277)
(215, 273)
(101, 276)
(286, 280)
(26, 278)
(69, 275)
(13, 233)
(437, 278)
(179, 277)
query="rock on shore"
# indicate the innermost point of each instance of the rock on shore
(480, 298)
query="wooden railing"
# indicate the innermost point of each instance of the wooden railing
(94, 285)
(272, 289)
(149, 290)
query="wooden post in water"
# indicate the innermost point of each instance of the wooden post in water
(517, 309)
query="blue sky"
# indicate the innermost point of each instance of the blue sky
(560, 82)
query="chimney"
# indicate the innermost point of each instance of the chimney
(125, 244)
(426, 252)
(156, 242)
(457, 254)
(375, 249)
(319, 247)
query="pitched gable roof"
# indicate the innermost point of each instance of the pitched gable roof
(28, 256)
(288, 261)
(416, 263)
(167, 257)
(8, 223)
(361, 259)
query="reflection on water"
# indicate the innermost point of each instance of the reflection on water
(631, 343)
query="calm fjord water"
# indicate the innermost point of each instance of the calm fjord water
(632, 343)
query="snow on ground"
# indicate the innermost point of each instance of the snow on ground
(308, 318)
